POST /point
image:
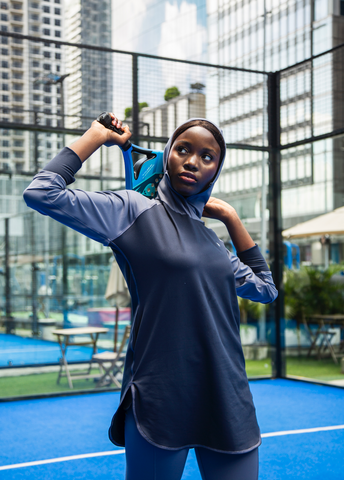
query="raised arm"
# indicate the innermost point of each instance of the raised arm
(252, 275)
(101, 216)
(98, 135)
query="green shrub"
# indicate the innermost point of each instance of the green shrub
(171, 92)
(311, 291)
(128, 110)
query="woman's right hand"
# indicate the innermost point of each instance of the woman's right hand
(98, 135)
(108, 136)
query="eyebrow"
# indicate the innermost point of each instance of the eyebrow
(205, 149)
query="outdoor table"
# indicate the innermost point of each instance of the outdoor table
(64, 338)
(323, 332)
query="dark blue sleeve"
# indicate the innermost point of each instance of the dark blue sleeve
(66, 163)
(254, 259)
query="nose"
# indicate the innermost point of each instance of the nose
(191, 162)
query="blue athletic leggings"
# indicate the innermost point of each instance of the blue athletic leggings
(147, 462)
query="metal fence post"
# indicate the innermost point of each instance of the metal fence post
(8, 317)
(275, 222)
(34, 269)
(135, 93)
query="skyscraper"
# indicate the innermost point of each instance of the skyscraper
(90, 83)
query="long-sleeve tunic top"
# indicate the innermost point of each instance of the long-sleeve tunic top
(185, 368)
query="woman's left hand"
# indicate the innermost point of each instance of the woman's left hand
(218, 209)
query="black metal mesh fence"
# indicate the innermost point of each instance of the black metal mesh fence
(56, 272)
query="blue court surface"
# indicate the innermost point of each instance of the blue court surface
(17, 351)
(302, 427)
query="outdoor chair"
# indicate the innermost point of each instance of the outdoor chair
(112, 362)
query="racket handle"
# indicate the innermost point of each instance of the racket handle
(106, 120)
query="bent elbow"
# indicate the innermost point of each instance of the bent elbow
(34, 199)
(272, 294)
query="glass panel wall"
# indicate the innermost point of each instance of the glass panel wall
(314, 269)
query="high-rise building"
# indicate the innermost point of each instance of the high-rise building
(243, 34)
(90, 83)
(28, 93)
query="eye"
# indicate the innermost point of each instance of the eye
(181, 149)
(207, 157)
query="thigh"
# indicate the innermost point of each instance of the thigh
(226, 466)
(147, 462)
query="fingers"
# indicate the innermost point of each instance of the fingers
(115, 121)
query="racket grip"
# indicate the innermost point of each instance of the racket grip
(106, 120)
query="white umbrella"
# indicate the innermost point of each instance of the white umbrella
(331, 223)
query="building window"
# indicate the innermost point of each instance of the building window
(4, 64)
(18, 29)
(47, 88)
(46, 31)
(18, 87)
(58, 56)
(17, 52)
(34, 28)
(46, 20)
(18, 98)
(34, 5)
(57, 33)
(17, 64)
(57, 68)
(34, 17)
(57, 22)
(47, 99)
(46, 54)
(342, 7)
(18, 18)
(3, 6)
(5, 86)
(17, 6)
(18, 75)
(5, 98)
(4, 75)
(5, 143)
(57, 11)
(36, 98)
(4, 17)
(46, 9)
(18, 143)
(57, 1)
(35, 64)
(4, 40)
(46, 66)
(4, 28)
(4, 51)
(19, 154)
(5, 155)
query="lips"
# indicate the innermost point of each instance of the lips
(188, 177)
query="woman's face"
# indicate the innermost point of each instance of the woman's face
(193, 161)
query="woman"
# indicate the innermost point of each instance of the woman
(184, 383)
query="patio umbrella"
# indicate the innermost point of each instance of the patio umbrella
(117, 294)
(331, 223)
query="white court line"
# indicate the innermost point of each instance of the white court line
(118, 452)
(305, 430)
(62, 459)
